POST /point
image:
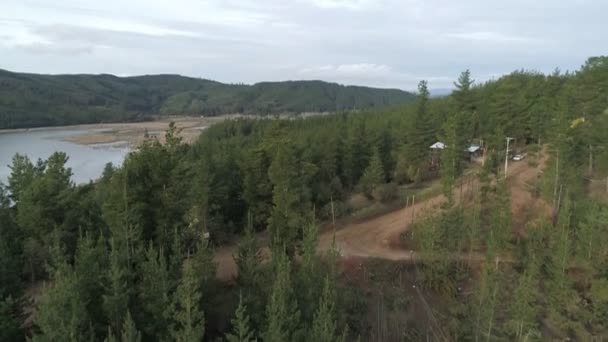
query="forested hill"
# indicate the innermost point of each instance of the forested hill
(30, 100)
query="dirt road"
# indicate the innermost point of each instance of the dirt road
(377, 236)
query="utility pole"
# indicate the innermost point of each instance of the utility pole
(413, 208)
(507, 156)
(590, 160)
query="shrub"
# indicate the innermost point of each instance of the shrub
(386, 192)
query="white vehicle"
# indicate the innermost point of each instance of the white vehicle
(519, 157)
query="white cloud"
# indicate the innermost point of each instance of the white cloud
(348, 70)
(492, 37)
(50, 48)
(392, 43)
(380, 75)
(342, 4)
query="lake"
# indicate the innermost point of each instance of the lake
(87, 161)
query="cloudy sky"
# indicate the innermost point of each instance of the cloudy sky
(385, 43)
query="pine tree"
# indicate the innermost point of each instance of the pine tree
(250, 276)
(356, 153)
(62, 313)
(560, 243)
(590, 239)
(110, 337)
(486, 302)
(154, 292)
(241, 331)
(42, 208)
(9, 320)
(501, 227)
(420, 135)
(282, 312)
(11, 250)
(257, 189)
(129, 330)
(373, 176)
(450, 158)
(308, 275)
(290, 198)
(22, 175)
(523, 312)
(89, 265)
(324, 324)
(116, 299)
(203, 264)
(248, 258)
(189, 318)
(468, 123)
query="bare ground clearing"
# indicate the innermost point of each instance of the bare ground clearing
(375, 237)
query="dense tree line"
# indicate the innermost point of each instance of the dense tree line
(128, 258)
(30, 100)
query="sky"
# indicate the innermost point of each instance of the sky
(380, 43)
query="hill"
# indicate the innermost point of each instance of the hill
(31, 100)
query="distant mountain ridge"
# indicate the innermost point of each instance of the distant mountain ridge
(33, 100)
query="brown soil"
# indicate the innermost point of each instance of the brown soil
(376, 237)
(133, 133)
(226, 265)
(524, 205)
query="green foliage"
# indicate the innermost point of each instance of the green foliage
(500, 234)
(62, 311)
(30, 100)
(291, 197)
(523, 311)
(138, 241)
(283, 316)
(91, 262)
(420, 136)
(154, 293)
(189, 318)
(373, 176)
(42, 206)
(485, 303)
(116, 297)
(10, 329)
(450, 157)
(242, 331)
(11, 250)
(129, 330)
(324, 325)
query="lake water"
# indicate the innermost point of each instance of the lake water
(87, 161)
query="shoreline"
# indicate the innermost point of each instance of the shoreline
(131, 133)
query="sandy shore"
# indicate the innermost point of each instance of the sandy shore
(133, 132)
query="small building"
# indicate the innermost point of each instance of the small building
(436, 149)
(474, 151)
(438, 146)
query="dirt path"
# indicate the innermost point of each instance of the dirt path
(377, 236)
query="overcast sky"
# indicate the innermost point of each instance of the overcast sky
(384, 43)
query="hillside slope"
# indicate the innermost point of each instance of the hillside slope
(31, 100)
